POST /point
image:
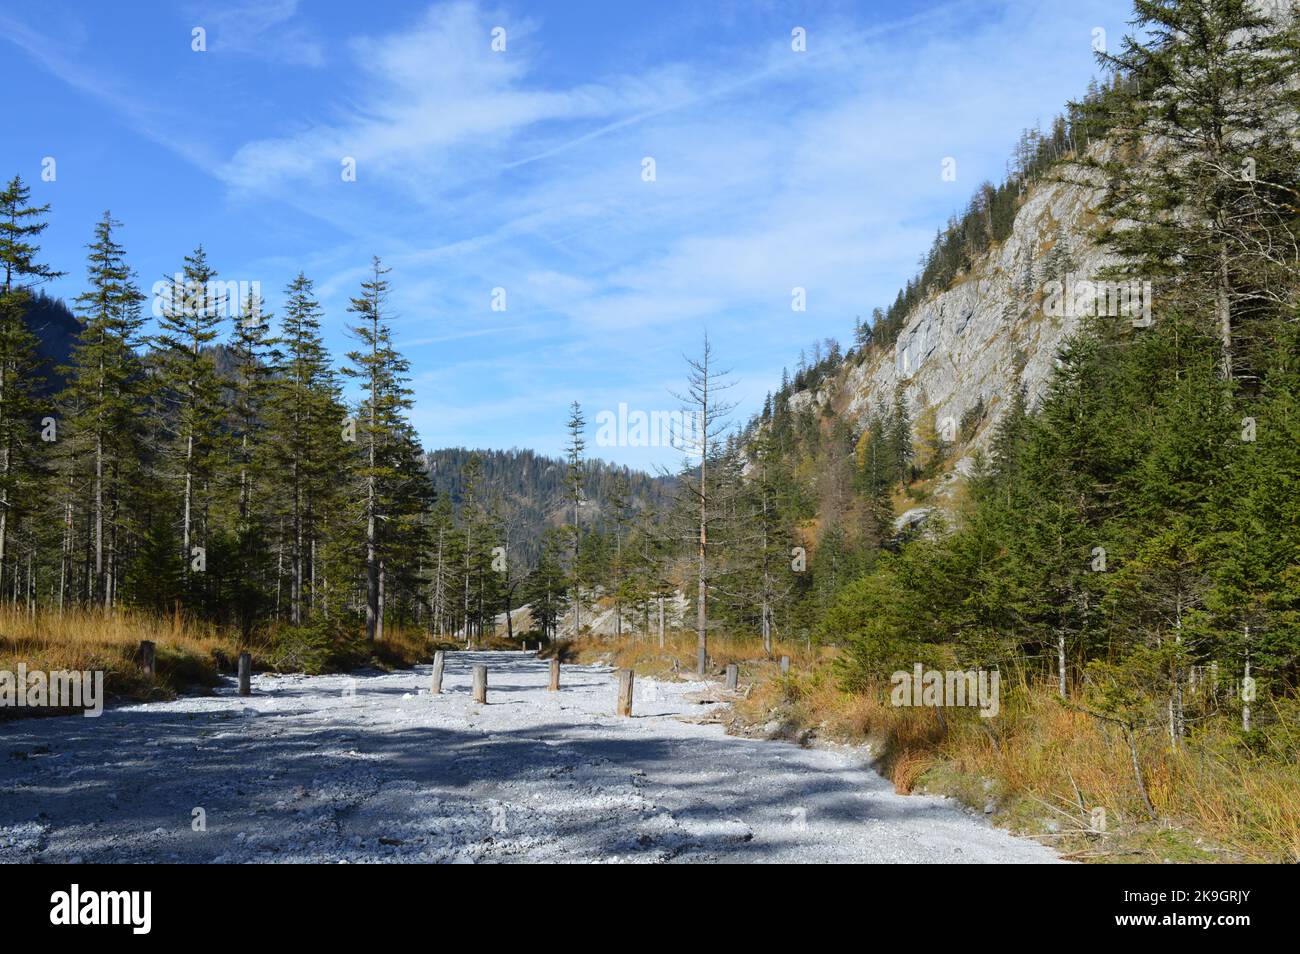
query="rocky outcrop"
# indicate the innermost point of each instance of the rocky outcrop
(999, 326)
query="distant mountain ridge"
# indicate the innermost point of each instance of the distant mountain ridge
(530, 486)
(56, 330)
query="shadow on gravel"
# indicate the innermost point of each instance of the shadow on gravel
(124, 787)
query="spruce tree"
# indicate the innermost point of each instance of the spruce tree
(255, 358)
(104, 400)
(767, 558)
(899, 431)
(189, 388)
(1208, 208)
(547, 586)
(381, 432)
(21, 372)
(304, 445)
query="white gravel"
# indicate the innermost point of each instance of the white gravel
(374, 768)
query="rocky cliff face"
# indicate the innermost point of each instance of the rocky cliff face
(998, 326)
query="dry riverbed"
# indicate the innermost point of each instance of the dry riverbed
(374, 768)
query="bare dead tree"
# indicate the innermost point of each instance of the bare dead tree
(704, 420)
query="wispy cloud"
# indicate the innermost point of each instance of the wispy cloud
(265, 29)
(478, 169)
(418, 97)
(64, 55)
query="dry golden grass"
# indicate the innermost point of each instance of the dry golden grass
(1048, 765)
(77, 634)
(1045, 766)
(404, 646)
(189, 655)
(908, 769)
(644, 655)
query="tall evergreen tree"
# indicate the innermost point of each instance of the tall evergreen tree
(21, 374)
(255, 358)
(190, 389)
(381, 431)
(1208, 209)
(547, 586)
(573, 481)
(104, 399)
(304, 421)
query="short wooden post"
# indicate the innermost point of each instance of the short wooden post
(147, 657)
(245, 674)
(625, 677)
(439, 663)
(480, 684)
(733, 673)
(785, 665)
(555, 676)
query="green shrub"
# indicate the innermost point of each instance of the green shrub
(309, 648)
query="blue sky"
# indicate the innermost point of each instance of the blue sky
(523, 170)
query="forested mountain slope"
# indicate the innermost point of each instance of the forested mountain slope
(1070, 451)
(959, 353)
(529, 489)
(56, 329)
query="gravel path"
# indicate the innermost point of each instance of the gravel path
(373, 768)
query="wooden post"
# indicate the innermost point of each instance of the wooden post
(733, 673)
(555, 676)
(480, 684)
(245, 674)
(785, 665)
(439, 663)
(147, 657)
(625, 677)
